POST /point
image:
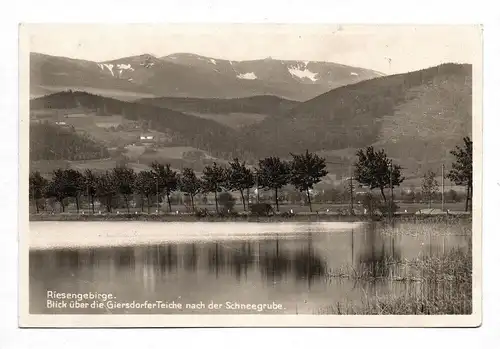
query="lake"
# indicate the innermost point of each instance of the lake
(198, 264)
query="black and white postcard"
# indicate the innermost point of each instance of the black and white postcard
(250, 175)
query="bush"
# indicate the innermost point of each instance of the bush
(386, 208)
(261, 209)
(227, 201)
(201, 213)
(287, 214)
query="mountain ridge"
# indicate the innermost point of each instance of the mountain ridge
(191, 75)
(417, 117)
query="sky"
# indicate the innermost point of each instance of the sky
(389, 49)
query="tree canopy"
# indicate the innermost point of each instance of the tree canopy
(306, 170)
(189, 184)
(461, 171)
(214, 179)
(240, 178)
(273, 174)
(375, 170)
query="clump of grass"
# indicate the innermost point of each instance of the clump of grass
(442, 285)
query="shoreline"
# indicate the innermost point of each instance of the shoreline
(299, 217)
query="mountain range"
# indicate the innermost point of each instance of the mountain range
(190, 75)
(417, 117)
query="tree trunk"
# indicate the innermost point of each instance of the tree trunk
(62, 204)
(168, 200)
(309, 200)
(192, 201)
(216, 203)
(383, 194)
(467, 199)
(470, 196)
(77, 204)
(276, 199)
(93, 206)
(36, 206)
(126, 203)
(108, 204)
(142, 204)
(243, 199)
(149, 203)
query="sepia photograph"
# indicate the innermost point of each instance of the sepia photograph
(250, 175)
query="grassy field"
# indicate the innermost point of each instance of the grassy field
(290, 208)
(236, 217)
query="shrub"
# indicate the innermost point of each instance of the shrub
(261, 209)
(201, 213)
(227, 201)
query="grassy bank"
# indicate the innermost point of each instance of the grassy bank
(432, 286)
(240, 217)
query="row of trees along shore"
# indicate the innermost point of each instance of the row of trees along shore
(373, 169)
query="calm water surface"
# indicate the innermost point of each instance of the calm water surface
(290, 268)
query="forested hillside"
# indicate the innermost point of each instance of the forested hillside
(184, 129)
(270, 105)
(419, 116)
(52, 142)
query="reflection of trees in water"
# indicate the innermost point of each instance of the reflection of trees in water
(269, 257)
(216, 258)
(304, 264)
(191, 257)
(124, 257)
(36, 261)
(275, 265)
(378, 254)
(241, 259)
(308, 266)
(67, 258)
(161, 258)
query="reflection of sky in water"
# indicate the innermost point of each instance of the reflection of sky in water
(290, 270)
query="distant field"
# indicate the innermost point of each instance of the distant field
(140, 152)
(234, 120)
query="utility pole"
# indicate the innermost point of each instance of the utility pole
(392, 191)
(442, 187)
(351, 189)
(157, 197)
(257, 184)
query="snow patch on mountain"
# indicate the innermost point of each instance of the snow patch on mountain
(125, 67)
(110, 68)
(213, 61)
(100, 66)
(354, 74)
(302, 73)
(247, 76)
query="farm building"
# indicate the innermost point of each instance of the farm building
(147, 139)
